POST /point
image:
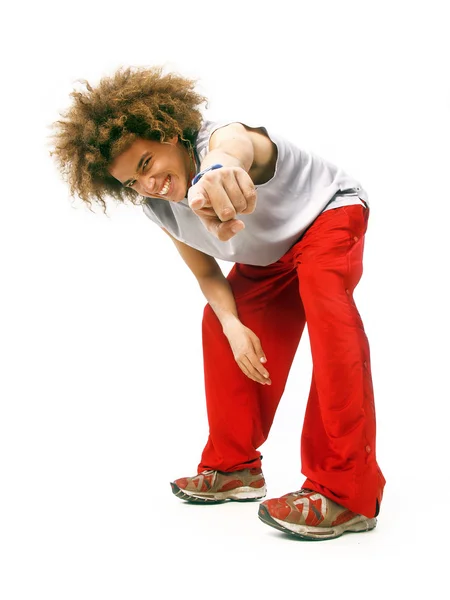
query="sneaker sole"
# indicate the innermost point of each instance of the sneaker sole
(242, 494)
(304, 532)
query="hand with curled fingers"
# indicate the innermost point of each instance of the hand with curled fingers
(248, 352)
(219, 196)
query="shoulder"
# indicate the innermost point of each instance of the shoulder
(207, 130)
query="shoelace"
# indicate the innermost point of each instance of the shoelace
(210, 472)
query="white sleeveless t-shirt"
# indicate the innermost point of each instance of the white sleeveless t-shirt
(303, 186)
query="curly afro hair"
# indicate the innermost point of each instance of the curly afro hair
(104, 121)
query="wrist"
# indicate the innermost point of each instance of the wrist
(200, 175)
(229, 323)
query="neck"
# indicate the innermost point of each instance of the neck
(192, 165)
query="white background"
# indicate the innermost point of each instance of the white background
(102, 401)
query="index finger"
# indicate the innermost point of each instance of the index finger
(220, 201)
(197, 199)
(256, 364)
(255, 373)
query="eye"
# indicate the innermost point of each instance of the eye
(145, 165)
(130, 185)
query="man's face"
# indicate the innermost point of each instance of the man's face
(155, 169)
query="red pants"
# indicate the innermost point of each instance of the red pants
(312, 283)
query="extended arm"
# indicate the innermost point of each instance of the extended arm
(223, 193)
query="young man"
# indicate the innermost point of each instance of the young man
(294, 226)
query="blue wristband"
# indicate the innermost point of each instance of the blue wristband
(200, 175)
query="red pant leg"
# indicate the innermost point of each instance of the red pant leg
(241, 411)
(338, 439)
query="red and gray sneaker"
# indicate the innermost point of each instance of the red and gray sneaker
(216, 486)
(311, 516)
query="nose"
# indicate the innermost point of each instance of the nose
(148, 184)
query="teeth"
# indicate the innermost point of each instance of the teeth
(165, 187)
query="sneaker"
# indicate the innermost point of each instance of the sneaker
(311, 516)
(215, 486)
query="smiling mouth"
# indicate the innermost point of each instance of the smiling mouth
(165, 188)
